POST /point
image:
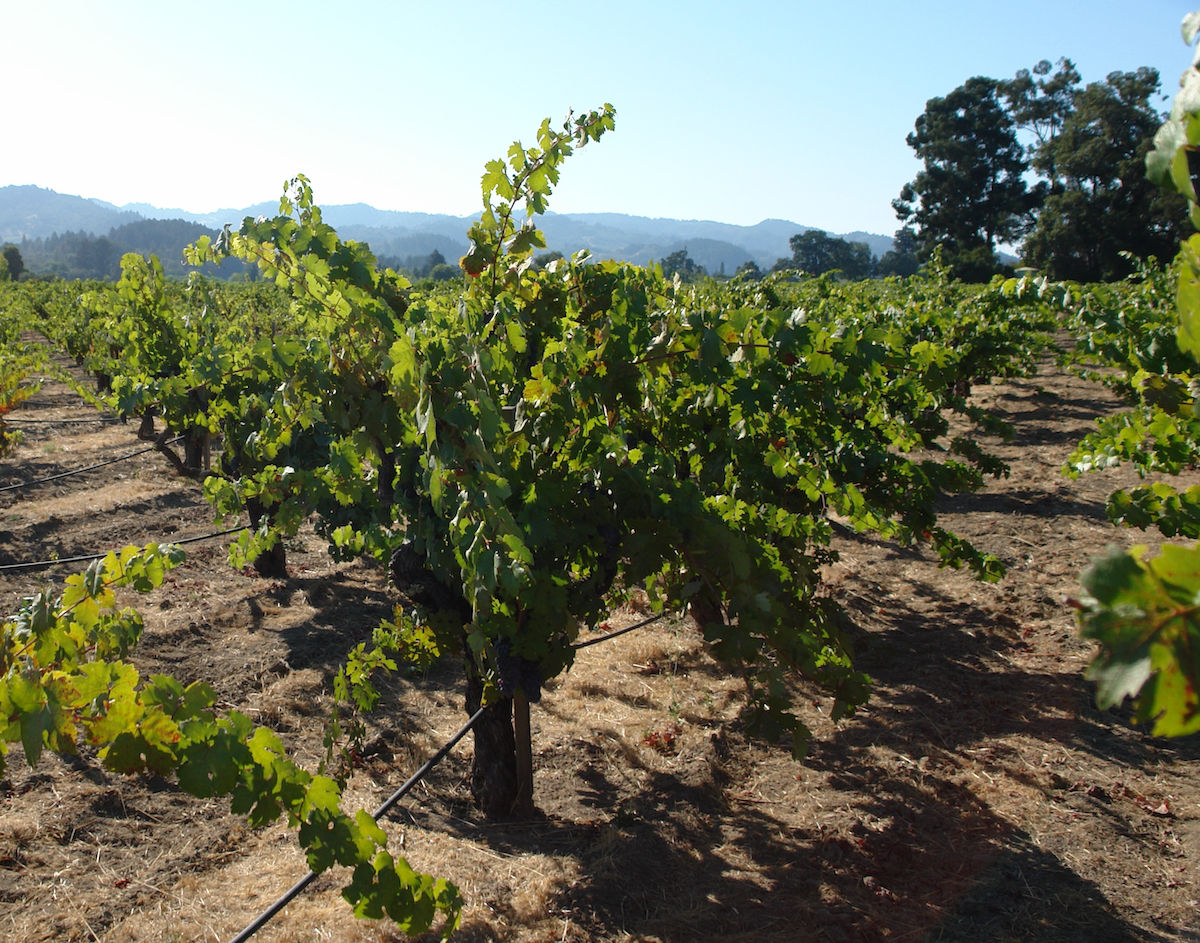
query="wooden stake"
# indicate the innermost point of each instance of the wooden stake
(523, 804)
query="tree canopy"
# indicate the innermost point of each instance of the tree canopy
(816, 252)
(1099, 202)
(971, 195)
(902, 259)
(1086, 144)
(13, 262)
(681, 264)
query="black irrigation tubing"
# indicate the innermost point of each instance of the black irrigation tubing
(59, 421)
(294, 891)
(614, 634)
(263, 918)
(87, 558)
(78, 471)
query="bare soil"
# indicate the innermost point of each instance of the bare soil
(979, 796)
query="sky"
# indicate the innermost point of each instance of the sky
(730, 112)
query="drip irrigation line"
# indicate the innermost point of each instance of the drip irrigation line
(78, 471)
(61, 421)
(628, 628)
(296, 889)
(87, 558)
(263, 918)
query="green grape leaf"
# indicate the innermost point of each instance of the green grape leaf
(404, 365)
(1144, 614)
(35, 724)
(1188, 296)
(209, 767)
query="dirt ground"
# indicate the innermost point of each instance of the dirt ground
(979, 796)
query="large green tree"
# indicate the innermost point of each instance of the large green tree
(815, 252)
(971, 196)
(750, 270)
(1092, 153)
(1040, 103)
(13, 260)
(681, 264)
(902, 258)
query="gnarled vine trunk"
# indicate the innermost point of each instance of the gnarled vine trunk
(501, 770)
(494, 766)
(272, 563)
(146, 429)
(195, 450)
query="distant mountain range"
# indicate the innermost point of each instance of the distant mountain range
(33, 213)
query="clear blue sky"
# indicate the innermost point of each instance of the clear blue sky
(728, 111)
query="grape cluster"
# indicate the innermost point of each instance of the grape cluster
(517, 673)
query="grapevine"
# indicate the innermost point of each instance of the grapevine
(65, 685)
(1141, 610)
(552, 438)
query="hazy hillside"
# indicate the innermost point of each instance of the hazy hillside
(28, 212)
(34, 213)
(636, 239)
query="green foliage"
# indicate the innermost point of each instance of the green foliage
(1100, 208)
(902, 259)
(1042, 105)
(13, 262)
(81, 254)
(749, 270)
(971, 194)
(1093, 205)
(679, 263)
(816, 252)
(1142, 611)
(1145, 615)
(1132, 326)
(65, 683)
(18, 359)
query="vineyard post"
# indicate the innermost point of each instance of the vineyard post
(523, 806)
(494, 765)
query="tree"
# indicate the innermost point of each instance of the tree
(1100, 203)
(971, 195)
(816, 252)
(750, 270)
(542, 259)
(681, 264)
(902, 258)
(1041, 106)
(12, 256)
(433, 261)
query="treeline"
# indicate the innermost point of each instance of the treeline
(816, 253)
(88, 256)
(1045, 163)
(431, 267)
(1039, 165)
